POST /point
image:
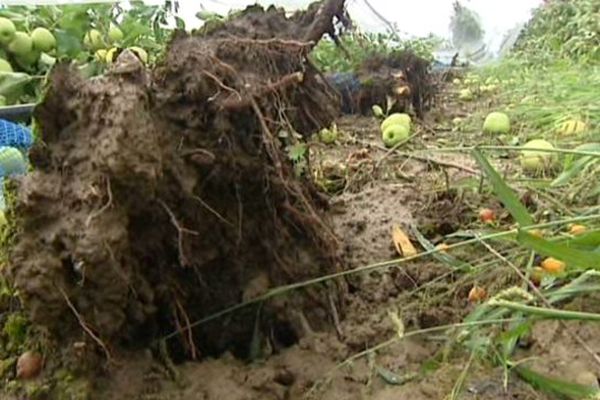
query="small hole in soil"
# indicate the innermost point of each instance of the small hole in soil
(284, 334)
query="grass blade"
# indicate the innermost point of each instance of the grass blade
(506, 195)
(546, 312)
(566, 253)
(555, 386)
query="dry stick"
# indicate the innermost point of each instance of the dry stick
(85, 327)
(544, 300)
(424, 159)
(104, 207)
(382, 18)
(180, 231)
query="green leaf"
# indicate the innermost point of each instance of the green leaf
(571, 256)
(555, 386)
(440, 256)
(506, 195)
(572, 169)
(587, 241)
(12, 84)
(296, 152)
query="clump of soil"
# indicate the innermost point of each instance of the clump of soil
(161, 197)
(402, 75)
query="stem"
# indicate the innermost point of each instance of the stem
(545, 312)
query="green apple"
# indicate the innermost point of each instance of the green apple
(29, 59)
(93, 39)
(377, 111)
(535, 160)
(5, 66)
(465, 94)
(21, 45)
(396, 119)
(115, 34)
(7, 30)
(141, 53)
(496, 122)
(395, 134)
(2, 101)
(328, 136)
(43, 39)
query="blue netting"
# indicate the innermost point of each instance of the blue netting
(14, 135)
(15, 140)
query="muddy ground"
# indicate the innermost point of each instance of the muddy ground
(375, 190)
(151, 208)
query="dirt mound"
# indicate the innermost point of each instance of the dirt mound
(402, 75)
(160, 197)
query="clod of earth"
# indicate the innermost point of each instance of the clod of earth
(158, 197)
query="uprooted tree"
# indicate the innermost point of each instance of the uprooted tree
(160, 197)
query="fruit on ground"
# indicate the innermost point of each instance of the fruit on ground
(328, 136)
(477, 294)
(115, 34)
(101, 55)
(5, 66)
(29, 365)
(487, 215)
(395, 134)
(496, 122)
(537, 160)
(572, 127)
(442, 247)
(465, 94)
(396, 119)
(141, 53)
(576, 229)
(553, 266)
(7, 30)
(377, 111)
(93, 39)
(21, 44)
(43, 39)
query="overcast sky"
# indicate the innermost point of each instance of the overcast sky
(414, 17)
